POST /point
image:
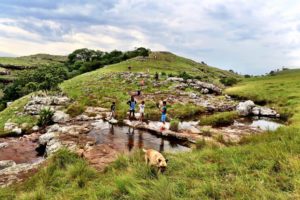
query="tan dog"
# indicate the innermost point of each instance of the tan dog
(154, 158)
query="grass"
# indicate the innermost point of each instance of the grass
(265, 167)
(31, 61)
(14, 114)
(219, 119)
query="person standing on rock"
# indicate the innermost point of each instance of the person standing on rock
(164, 113)
(142, 111)
(156, 76)
(113, 110)
(132, 104)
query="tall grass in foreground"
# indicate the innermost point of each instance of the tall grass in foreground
(264, 167)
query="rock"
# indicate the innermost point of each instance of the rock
(113, 121)
(3, 145)
(9, 103)
(173, 79)
(193, 95)
(204, 91)
(12, 128)
(245, 108)
(17, 131)
(53, 128)
(181, 86)
(209, 86)
(53, 146)
(6, 163)
(46, 138)
(189, 126)
(35, 128)
(60, 117)
(256, 111)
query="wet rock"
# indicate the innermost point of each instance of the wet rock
(6, 163)
(60, 117)
(3, 145)
(245, 108)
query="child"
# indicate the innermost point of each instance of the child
(142, 111)
(131, 104)
(163, 114)
(113, 110)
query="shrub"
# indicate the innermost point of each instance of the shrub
(174, 125)
(185, 75)
(45, 117)
(163, 74)
(228, 81)
(219, 119)
(75, 109)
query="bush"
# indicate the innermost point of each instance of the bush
(185, 75)
(229, 81)
(200, 144)
(45, 117)
(75, 109)
(174, 125)
(219, 119)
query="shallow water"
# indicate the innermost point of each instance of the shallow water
(264, 123)
(128, 139)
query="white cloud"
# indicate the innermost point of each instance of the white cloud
(247, 36)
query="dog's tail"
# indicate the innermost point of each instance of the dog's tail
(144, 150)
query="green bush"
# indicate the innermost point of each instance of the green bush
(219, 119)
(185, 75)
(229, 81)
(45, 117)
(174, 125)
(75, 109)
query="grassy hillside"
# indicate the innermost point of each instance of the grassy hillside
(280, 91)
(31, 61)
(101, 87)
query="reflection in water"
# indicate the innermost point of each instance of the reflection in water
(130, 134)
(126, 139)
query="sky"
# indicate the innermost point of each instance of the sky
(249, 37)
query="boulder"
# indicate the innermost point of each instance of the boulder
(264, 111)
(12, 128)
(3, 145)
(204, 91)
(35, 128)
(193, 95)
(46, 138)
(245, 108)
(173, 79)
(6, 163)
(209, 86)
(60, 117)
(53, 146)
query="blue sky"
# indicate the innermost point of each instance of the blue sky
(247, 36)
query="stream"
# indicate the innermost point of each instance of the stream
(264, 123)
(127, 139)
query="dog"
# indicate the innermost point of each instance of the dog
(154, 158)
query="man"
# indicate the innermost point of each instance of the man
(156, 76)
(132, 104)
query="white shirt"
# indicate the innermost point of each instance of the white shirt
(142, 108)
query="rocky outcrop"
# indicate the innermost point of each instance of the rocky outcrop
(11, 127)
(249, 108)
(37, 103)
(6, 163)
(60, 117)
(203, 87)
(245, 108)
(3, 145)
